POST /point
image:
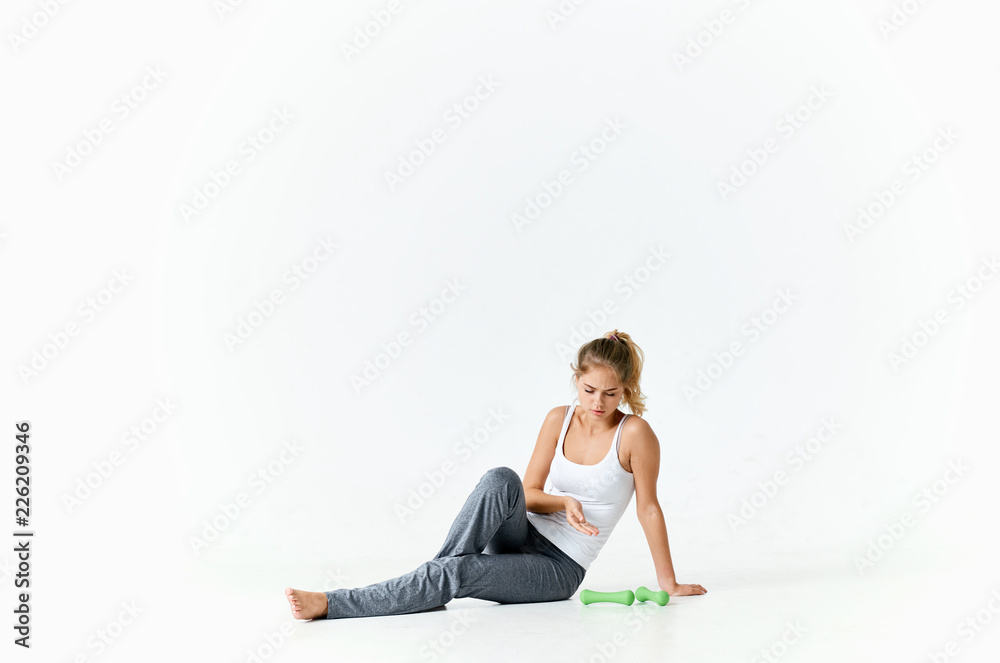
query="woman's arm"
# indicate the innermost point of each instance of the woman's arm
(645, 462)
(535, 498)
(538, 501)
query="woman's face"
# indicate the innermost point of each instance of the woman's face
(599, 392)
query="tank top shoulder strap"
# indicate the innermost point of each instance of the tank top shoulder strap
(565, 426)
(618, 433)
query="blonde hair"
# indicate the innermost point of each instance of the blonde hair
(617, 351)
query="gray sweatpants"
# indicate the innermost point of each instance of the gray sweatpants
(492, 552)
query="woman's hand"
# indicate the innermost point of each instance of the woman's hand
(674, 589)
(574, 514)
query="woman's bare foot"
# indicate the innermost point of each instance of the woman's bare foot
(306, 605)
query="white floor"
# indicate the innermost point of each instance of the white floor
(792, 607)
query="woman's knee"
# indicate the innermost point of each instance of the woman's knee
(501, 474)
(502, 479)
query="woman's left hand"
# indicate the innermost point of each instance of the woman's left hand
(675, 589)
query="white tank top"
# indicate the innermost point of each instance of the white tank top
(604, 491)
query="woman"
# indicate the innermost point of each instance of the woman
(513, 542)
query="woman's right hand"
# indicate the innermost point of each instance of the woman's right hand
(574, 514)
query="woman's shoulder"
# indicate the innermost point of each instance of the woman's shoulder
(555, 416)
(636, 427)
(560, 411)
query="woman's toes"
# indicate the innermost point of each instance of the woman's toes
(306, 605)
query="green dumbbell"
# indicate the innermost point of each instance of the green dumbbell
(660, 598)
(625, 598)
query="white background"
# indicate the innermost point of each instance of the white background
(330, 516)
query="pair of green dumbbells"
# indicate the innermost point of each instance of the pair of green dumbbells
(626, 597)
